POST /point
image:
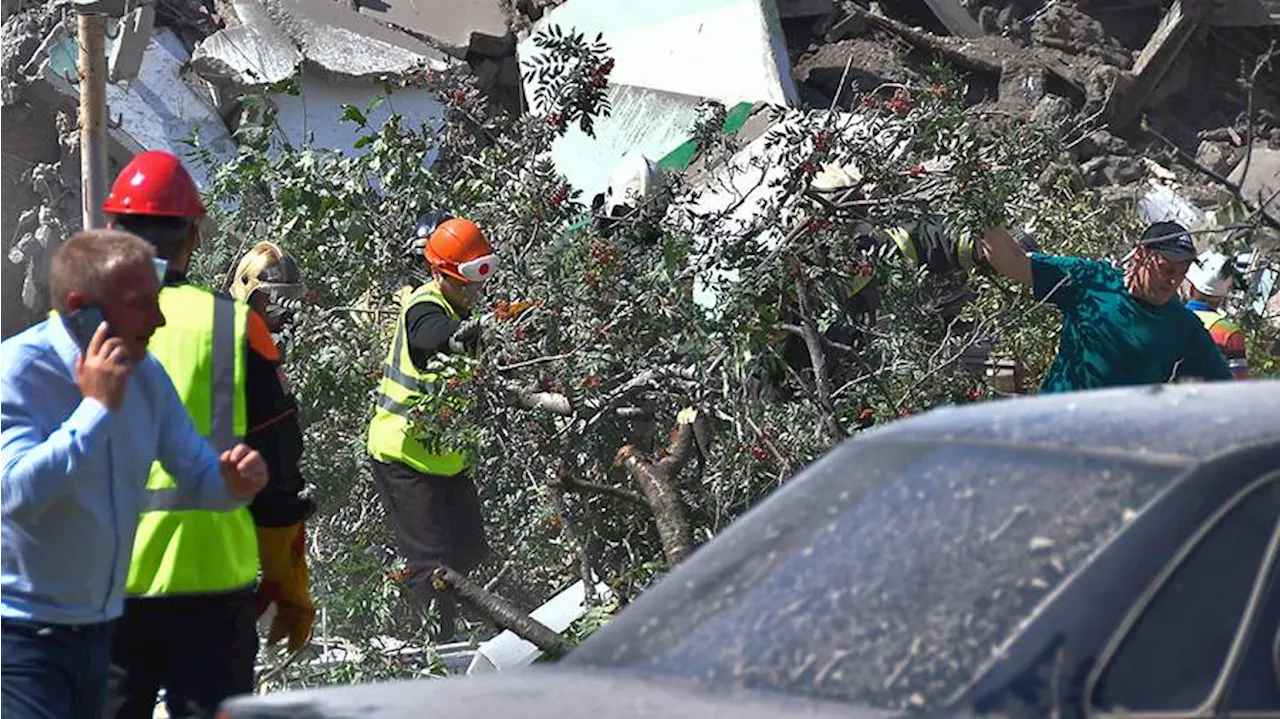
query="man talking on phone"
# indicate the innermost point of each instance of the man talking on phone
(83, 419)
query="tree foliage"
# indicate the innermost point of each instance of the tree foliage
(625, 418)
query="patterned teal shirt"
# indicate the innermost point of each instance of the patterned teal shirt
(1110, 338)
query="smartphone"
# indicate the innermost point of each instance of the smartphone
(83, 323)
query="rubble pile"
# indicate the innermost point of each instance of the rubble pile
(1176, 89)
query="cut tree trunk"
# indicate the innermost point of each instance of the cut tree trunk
(500, 612)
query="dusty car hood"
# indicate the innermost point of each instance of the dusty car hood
(537, 693)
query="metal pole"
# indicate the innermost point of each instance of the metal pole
(93, 110)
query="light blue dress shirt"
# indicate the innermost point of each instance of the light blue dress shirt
(75, 474)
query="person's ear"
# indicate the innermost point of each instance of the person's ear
(75, 300)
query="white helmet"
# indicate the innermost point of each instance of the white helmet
(1212, 274)
(633, 180)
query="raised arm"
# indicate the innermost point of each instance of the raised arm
(1004, 254)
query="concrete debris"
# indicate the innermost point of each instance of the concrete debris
(252, 54)
(649, 122)
(315, 113)
(1258, 176)
(125, 59)
(670, 56)
(158, 109)
(1051, 111)
(342, 42)
(727, 50)
(459, 27)
(958, 20)
(1101, 142)
(27, 35)
(1065, 27)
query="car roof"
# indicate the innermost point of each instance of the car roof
(1181, 420)
(888, 570)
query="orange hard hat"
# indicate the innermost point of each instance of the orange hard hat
(154, 183)
(458, 248)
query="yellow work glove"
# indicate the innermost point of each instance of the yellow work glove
(286, 583)
(505, 310)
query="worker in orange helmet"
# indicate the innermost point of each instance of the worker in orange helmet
(193, 588)
(427, 491)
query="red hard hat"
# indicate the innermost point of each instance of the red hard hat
(154, 183)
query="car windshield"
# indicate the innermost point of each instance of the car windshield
(888, 574)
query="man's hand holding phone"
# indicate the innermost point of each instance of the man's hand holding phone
(102, 369)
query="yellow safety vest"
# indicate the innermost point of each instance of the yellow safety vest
(180, 548)
(402, 387)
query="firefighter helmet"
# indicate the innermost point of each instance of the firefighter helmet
(267, 268)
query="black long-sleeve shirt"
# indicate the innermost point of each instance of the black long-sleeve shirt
(271, 428)
(428, 329)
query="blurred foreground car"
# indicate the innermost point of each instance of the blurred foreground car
(1097, 554)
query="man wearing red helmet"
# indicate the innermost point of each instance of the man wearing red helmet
(428, 492)
(189, 621)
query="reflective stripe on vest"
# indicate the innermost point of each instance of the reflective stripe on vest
(400, 389)
(222, 398)
(1222, 330)
(179, 547)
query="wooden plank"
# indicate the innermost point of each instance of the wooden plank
(955, 18)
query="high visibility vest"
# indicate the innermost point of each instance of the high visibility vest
(403, 386)
(180, 548)
(1222, 330)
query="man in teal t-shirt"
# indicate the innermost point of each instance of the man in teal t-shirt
(1118, 328)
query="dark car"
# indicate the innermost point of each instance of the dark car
(1094, 554)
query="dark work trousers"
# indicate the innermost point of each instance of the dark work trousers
(53, 671)
(437, 521)
(200, 649)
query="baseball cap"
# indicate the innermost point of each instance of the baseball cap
(1170, 239)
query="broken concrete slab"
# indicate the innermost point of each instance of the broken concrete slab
(1217, 156)
(870, 64)
(125, 59)
(645, 121)
(314, 115)
(728, 50)
(158, 110)
(456, 26)
(1156, 58)
(1261, 185)
(343, 42)
(955, 18)
(254, 53)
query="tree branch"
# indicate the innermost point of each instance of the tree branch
(604, 490)
(818, 358)
(552, 402)
(657, 481)
(500, 612)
